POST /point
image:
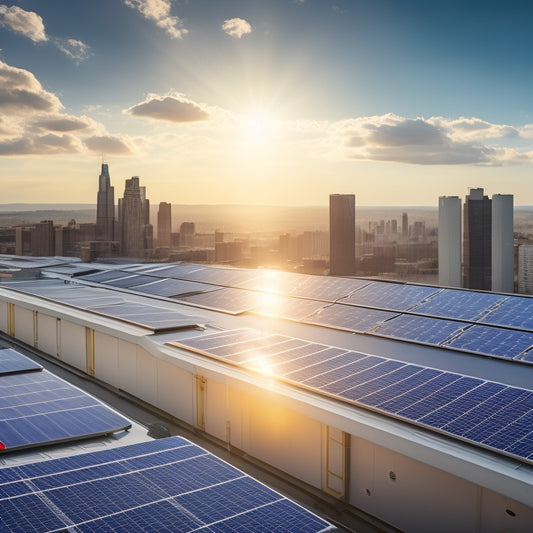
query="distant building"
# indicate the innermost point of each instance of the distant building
(105, 207)
(43, 239)
(477, 241)
(450, 241)
(502, 243)
(405, 227)
(525, 269)
(342, 234)
(164, 225)
(187, 233)
(136, 233)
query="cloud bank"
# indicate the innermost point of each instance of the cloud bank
(26, 23)
(159, 12)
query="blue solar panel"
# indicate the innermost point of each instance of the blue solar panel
(224, 277)
(172, 271)
(515, 312)
(105, 275)
(234, 301)
(390, 296)
(129, 280)
(493, 341)
(173, 287)
(420, 329)
(358, 319)
(152, 486)
(12, 362)
(464, 407)
(39, 408)
(327, 288)
(286, 307)
(464, 305)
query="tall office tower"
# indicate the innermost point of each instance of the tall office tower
(450, 241)
(405, 227)
(105, 207)
(43, 239)
(502, 243)
(135, 232)
(477, 241)
(525, 269)
(164, 225)
(342, 234)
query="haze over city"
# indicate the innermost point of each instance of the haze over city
(277, 102)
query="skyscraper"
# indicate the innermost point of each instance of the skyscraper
(477, 241)
(502, 243)
(405, 227)
(134, 217)
(164, 225)
(342, 234)
(450, 241)
(105, 207)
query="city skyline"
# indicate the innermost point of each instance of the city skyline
(274, 103)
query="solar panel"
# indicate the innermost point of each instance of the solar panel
(148, 316)
(420, 329)
(172, 271)
(162, 485)
(327, 288)
(286, 307)
(129, 280)
(275, 281)
(227, 277)
(358, 319)
(106, 275)
(465, 305)
(489, 340)
(40, 408)
(464, 407)
(515, 312)
(227, 300)
(173, 287)
(392, 296)
(12, 362)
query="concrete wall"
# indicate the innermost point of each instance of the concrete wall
(3, 316)
(47, 327)
(24, 324)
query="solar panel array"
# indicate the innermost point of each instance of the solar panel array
(413, 313)
(485, 413)
(37, 407)
(13, 362)
(162, 485)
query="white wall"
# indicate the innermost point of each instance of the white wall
(47, 334)
(73, 345)
(24, 325)
(106, 358)
(3, 316)
(175, 391)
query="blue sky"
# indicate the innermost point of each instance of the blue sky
(266, 101)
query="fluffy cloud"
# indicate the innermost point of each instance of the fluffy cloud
(76, 50)
(435, 141)
(108, 144)
(236, 27)
(32, 122)
(174, 107)
(20, 92)
(24, 22)
(159, 12)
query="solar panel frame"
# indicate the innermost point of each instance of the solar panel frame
(13, 362)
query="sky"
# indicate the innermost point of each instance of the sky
(267, 102)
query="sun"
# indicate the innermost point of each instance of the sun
(259, 127)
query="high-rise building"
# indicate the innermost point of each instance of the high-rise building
(342, 234)
(105, 207)
(134, 217)
(164, 225)
(43, 239)
(405, 227)
(450, 241)
(477, 241)
(502, 243)
(525, 269)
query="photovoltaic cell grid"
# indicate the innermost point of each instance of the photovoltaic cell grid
(390, 296)
(516, 311)
(286, 307)
(129, 280)
(465, 305)
(484, 413)
(357, 319)
(433, 331)
(13, 362)
(106, 275)
(227, 300)
(39, 408)
(327, 289)
(161, 485)
(173, 287)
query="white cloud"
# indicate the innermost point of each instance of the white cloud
(159, 12)
(33, 122)
(236, 27)
(173, 107)
(24, 22)
(74, 49)
(435, 141)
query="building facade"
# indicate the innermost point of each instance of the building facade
(502, 243)
(342, 234)
(450, 241)
(105, 207)
(164, 225)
